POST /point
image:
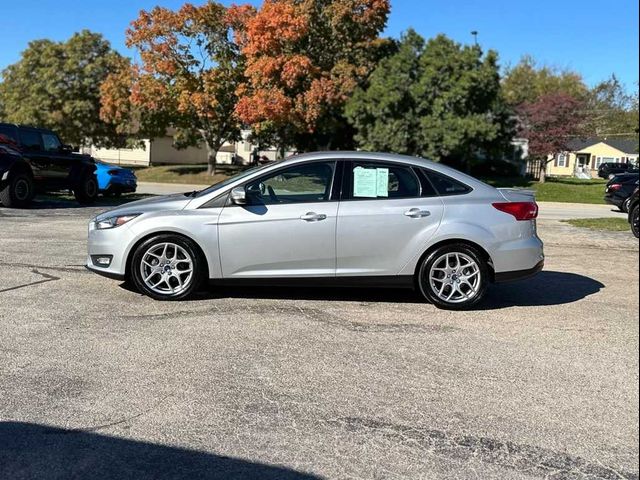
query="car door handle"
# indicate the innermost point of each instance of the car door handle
(313, 217)
(417, 213)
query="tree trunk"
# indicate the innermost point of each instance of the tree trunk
(543, 172)
(212, 154)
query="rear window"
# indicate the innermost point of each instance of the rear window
(445, 185)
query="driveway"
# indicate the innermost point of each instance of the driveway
(99, 382)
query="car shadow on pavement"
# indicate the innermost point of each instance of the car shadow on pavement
(546, 288)
(33, 451)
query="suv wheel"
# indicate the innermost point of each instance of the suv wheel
(625, 205)
(19, 191)
(453, 277)
(87, 191)
(635, 228)
(167, 267)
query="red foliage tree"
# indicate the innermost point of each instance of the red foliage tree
(549, 124)
(303, 60)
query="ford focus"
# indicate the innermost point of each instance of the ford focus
(329, 218)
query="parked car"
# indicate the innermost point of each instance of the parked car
(633, 213)
(115, 180)
(335, 218)
(607, 169)
(619, 189)
(35, 160)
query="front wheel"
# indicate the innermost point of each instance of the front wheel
(454, 277)
(19, 191)
(635, 228)
(87, 191)
(167, 267)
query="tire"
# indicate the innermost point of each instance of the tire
(19, 191)
(173, 253)
(635, 228)
(625, 205)
(439, 280)
(87, 192)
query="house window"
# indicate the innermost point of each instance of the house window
(562, 159)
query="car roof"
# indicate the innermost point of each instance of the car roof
(385, 157)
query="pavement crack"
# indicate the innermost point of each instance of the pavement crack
(47, 278)
(538, 461)
(104, 426)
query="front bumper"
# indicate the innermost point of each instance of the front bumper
(111, 242)
(125, 186)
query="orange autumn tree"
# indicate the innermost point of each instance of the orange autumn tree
(304, 58)
(189, 72)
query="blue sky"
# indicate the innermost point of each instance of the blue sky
(596, 38)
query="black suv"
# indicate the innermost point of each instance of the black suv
(35, 160)
(609, 168)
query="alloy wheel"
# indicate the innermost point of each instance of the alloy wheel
(455, 277)
(167, 268)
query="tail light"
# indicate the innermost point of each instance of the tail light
(614, 187)
(113, 172)
(520, 210)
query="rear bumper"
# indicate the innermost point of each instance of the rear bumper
(615, 201)
(518, 274)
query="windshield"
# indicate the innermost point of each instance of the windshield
(230, 180)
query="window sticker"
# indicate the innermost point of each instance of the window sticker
(370, 182)
(365, 182)
(382, 186)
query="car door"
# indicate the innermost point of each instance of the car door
(288, 227)
(59, 163)
(32, 149)
(386, 217)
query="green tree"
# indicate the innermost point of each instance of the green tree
(440, 100)
(57, 85)
(611, 110)
(528, 81)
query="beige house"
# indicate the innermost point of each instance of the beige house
(586, 155)
(161, 151)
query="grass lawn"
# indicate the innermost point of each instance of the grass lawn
(608, 224)
(193, 174)
(570, 190)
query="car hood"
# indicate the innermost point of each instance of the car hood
(177, 201)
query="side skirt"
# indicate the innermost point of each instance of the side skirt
(392, 281)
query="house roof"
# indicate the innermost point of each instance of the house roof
(625, 145)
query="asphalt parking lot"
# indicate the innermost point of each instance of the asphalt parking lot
(99, 382)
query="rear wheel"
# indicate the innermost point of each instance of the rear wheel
(635, 228)
(454, 277)
(625, 205)
(167, 267)
(19, 191)
(87, 192)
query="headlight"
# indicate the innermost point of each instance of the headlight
(113, 222)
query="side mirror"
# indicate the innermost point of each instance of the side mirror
(239, 196)
(66, 149)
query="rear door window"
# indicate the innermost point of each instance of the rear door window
(30, 140)
(368, 181)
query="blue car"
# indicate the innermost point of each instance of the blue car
(114, 180)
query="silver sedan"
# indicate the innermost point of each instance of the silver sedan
(330, 218)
